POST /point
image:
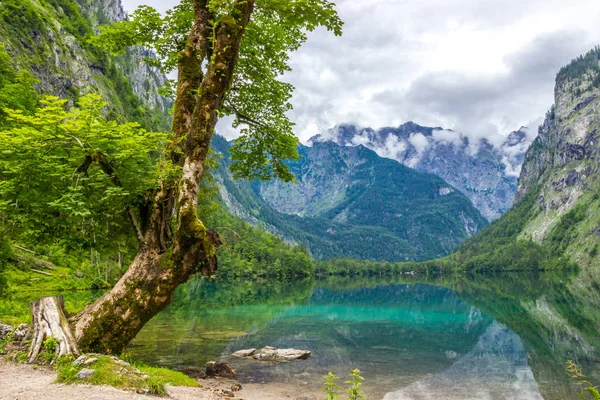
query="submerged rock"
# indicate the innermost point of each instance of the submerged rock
(272, 354)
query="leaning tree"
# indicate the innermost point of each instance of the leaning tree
(230, 56)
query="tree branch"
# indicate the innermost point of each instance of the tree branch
(105, 164)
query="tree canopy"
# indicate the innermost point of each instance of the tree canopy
(258, 98)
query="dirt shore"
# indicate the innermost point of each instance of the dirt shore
(23, 382)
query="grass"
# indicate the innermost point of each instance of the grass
(169, 376)
(25, 286)
(135, 377)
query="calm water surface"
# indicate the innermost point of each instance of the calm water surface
(481, 337)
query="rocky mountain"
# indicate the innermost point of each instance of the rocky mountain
(487, 175)
(556, 218)
(562, 165)
(50, 41)
(349, 202)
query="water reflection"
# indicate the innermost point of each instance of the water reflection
(487, 336)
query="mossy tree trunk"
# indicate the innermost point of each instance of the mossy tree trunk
(172, 251)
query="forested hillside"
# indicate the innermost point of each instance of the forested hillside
(556, 220)
(349, 202)
(58, 209)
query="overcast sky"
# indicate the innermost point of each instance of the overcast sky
(483, 67)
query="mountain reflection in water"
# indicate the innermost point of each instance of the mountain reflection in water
(481, 337)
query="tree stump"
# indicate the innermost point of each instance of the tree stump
(50, 321)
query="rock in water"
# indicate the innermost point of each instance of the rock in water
(244, 353)
(272, 354)
(223, 370)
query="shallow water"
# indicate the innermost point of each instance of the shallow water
(482, 337)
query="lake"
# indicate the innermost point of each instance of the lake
(501, 336)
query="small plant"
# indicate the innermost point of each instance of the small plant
(330, 387)
(5, 342)
(590, 391)
(156, 386)
(50, 345)
(355, 383)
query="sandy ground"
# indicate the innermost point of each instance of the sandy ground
(23, 382)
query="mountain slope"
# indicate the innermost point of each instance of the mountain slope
(557, 212)
(485, 174)
(349, 202)
(49, 38)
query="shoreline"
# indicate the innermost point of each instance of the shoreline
(30, 382)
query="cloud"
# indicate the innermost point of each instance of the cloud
(484, 68)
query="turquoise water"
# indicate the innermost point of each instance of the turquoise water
(483, 337)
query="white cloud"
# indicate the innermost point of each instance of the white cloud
(483, 67)
(447, 136)
(420, 143)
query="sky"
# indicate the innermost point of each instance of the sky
(481, 67)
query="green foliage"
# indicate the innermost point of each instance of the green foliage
(258, 99)
(167, 376)
(50, 346)
(499, 248)
(354, 390)
(330, 386)
(354, 268)
(355, 383)
(584, 64)
(6, 341)
(156, 386)
(563, 233)
(24, 19)
(128, 377)
(68, 176)
(6, 255)
(590, 391)
(252, 252)
(16, 88)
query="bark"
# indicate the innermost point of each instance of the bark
(167, 259)
(50, 321)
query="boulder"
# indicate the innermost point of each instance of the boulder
(85, 373)
(272, 354)
(236, 387)
(5, 330)
(223, 370)
(22, 333)
(90, 361)
(244, 353)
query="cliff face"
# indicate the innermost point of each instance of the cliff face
(50, 40)
(487, 175)
(562, 162)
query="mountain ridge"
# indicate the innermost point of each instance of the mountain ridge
(349, 202)
(485, 173)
